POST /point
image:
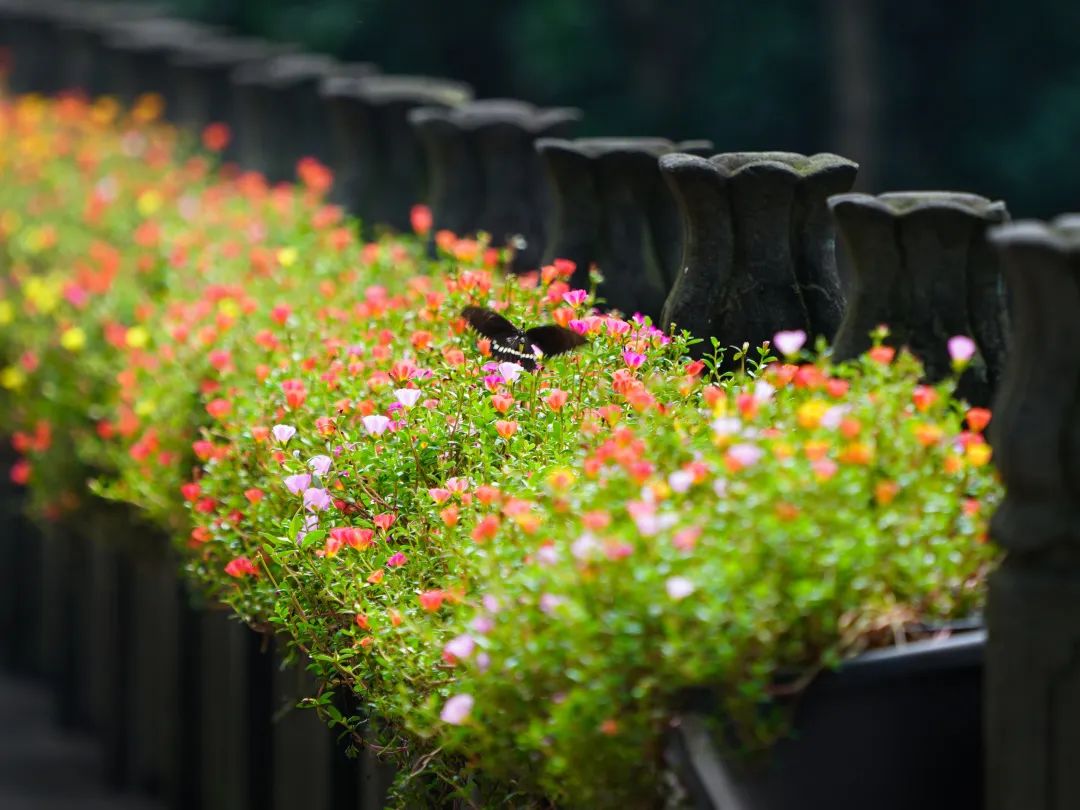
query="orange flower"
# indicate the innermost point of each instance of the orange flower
(506, 428)
(486, 529)
(977, 419)
(857, 453)
(928, 434)
(502, 403)
(376, 576)
(923, 396)
(556, 399)
(885, 492)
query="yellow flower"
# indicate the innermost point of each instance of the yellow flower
(145, 407)
(979, 454)
(7, 313)
(287, 256)
(12, 378)
(229, 308)
(809, 414)
(137, 337)
(149, 203)
(43, 295)
(73, 339)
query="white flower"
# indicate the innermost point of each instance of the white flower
(679, 587)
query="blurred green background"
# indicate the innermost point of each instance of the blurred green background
(947, 94)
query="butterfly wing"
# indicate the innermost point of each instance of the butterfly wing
(490, 324)
(508, 343)
(554, 339)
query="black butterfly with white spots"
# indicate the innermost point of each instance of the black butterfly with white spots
(512, 345)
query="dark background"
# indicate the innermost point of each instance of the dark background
(925, 94)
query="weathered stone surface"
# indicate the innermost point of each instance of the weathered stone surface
(611, 208)
(485, 171)
(1033, 614)
(379, 157)
(922, 266)
(758, 256)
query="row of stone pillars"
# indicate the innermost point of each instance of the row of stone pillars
(732, 246)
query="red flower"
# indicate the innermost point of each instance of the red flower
(486, 529)
(385, 520)
(432, 600)
(216, 137)
(241, 567)
(421, 220)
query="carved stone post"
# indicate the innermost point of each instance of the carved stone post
(485, 171)
(379, 155)
(282, 115)
(611, 208)
(759, 253)
(81, 31)
(141, 51)
(202, 73)
(922, 266)
(1033, 615)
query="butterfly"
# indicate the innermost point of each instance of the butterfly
(516, 346)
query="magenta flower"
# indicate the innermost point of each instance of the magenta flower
(460, 647)
(320, 464)
(961, 349)
(297, 483)
(575, 297)
(317, 499)
(579, 326)
(679, 587)
(376, 424)
(633, 359)
(788, 343)
(457, 709)
(283, 432)
(397, 560)
(407, 396)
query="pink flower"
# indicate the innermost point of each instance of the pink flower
(483, 624)
(283, 432)
(616, 326)
(633, 359)
(317, 499)
(547, 555)
(491, 604)
(397, 560)
(549, 601)
(680, 481)
(745, 455)
(961, 349)
(575, 297)
(579, 326)
(510, 371)
(788, 343)
(320, 464)
(439, 495)
(376, 424)
(585, 546)
(407, 396)
(679, 587)
(297, 483)
(460, 647)
(457, 709)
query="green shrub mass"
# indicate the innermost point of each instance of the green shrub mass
(513, 576)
